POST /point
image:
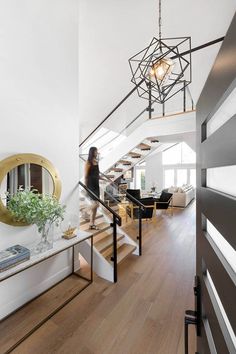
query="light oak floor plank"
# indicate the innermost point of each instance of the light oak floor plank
(144, 312)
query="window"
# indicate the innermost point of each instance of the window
(188, 155)
(128, 174)
(181, 177)
(172, 156)
(179, 154)
(169, 178)
(140, 179)
(179, 163)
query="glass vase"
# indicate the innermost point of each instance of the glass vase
(46, 242)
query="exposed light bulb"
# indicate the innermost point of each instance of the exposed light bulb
(162, 69)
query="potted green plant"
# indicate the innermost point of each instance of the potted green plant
(31, 207)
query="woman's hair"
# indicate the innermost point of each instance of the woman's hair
(91, 154)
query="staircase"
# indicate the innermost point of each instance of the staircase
(124, 138)
(132, 157)
(103, 255)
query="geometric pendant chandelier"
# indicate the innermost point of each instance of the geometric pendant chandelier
(163, 68)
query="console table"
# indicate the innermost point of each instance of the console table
(59, 246)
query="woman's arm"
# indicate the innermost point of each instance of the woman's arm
(86, 173)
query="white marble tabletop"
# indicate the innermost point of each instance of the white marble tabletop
(58, 246)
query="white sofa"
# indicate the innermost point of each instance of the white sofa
(182, 196)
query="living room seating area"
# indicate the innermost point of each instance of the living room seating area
(132, 210)
(182, 196)
(151, 203)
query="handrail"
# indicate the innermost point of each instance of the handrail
(114, 109)
(136, 201)
(117, 216)
(129, 196)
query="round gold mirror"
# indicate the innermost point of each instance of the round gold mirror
(26, 171)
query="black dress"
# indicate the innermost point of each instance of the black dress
(93, 180)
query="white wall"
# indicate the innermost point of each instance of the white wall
(39, 114)
(154, 172)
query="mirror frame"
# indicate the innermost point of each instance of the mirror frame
(13, 161)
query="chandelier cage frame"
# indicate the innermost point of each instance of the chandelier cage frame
(175, 79)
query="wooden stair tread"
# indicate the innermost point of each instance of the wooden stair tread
(123, 251)
(116, 169)
(106, 242)
(102, 227)
(107, 253)
(153, 140)
(102, 235)
(125, 162)
(143, 146)
(134, 154)
(110, 176)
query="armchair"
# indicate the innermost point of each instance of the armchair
(132, 210)
(164, 201)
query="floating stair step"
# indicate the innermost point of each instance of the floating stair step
(107, 242)
(109, 252)
(123, 251)
(103, 234)
(110, 176)
(85, 221)
(115, 208)
(116, 169)
(134, 155)
(153, 140)
(103, 226)
(125, 162)
(144, 147)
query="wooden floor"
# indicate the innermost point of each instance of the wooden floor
(143, 313)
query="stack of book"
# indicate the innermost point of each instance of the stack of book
(12, 256)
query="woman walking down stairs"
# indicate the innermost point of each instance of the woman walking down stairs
(104, 261)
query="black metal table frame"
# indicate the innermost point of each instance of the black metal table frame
(45, 319)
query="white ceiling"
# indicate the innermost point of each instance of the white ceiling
(111, 31)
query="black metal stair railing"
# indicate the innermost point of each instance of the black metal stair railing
(136, 202)
(141, 208)
(116, 220)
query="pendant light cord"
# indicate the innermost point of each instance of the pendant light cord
(159, 20)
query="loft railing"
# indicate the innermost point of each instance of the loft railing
(127, 124)
(129, 115)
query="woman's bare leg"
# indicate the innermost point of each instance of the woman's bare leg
(93, 213)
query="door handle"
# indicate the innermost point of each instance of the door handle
(189, 319)
(193, 317)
